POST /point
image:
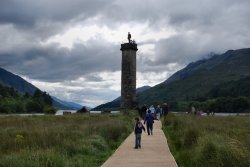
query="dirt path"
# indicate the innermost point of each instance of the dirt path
(154, 151)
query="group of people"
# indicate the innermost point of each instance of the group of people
(149, 115)
(199, 112)
(156, 112)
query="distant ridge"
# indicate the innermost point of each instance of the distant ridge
(9, 79)
(65, 105)
(231, 56)
(196, 80)
(200, 77)
(115, 104)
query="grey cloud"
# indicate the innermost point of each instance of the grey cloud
(93, 78)
(132, 11)
(42, 19)
(200, 27)
(177, 49)
(214, 26)
(184, 49)
(48, 17)
(27, 12)
(87, 97)
(179, 13)
(53, 63)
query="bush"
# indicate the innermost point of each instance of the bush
(49, 110)
(82, 110)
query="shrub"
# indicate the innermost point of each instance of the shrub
(82, 110)
(49, 110)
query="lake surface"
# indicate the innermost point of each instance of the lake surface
(60, 112)
(24, 115)
(231, 114)
(218, 114)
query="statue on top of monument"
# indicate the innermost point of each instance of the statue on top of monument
(129, 37)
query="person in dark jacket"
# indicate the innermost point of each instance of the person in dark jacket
(144, 111)
(158, 112)
(138, 130)
(149, 120)
(165, 109)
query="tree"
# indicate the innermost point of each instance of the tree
(82, 110)
(33, 106)
(240, 104)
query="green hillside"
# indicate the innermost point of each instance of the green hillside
(11, 101)
(115, 104)
(232, 89)
(198, 79)
(22, 86)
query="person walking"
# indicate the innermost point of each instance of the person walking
(144, 110)
(149, 120)
(165, 109)
(152, 110)
(138, 131)
(158, 112)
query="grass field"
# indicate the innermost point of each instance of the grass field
(72, 140)
(209, 141)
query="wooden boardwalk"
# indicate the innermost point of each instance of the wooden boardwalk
(154, 151)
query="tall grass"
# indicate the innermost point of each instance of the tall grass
(208, 141)
(46, 141)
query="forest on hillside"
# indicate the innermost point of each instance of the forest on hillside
(231, 97)
(11, 101)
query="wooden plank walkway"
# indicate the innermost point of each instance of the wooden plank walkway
(154, 151)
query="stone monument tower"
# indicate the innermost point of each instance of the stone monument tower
(128, 78)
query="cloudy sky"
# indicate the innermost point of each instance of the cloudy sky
(71, 48)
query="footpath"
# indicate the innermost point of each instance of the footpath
(154, 152)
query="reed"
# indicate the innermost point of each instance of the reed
(72, 140)
(208, 141)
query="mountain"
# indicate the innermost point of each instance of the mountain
(115, 104)
(22, 86)
(65, 105)
(9, 79)
(232, 89)
(197, 79)
(142, 89)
